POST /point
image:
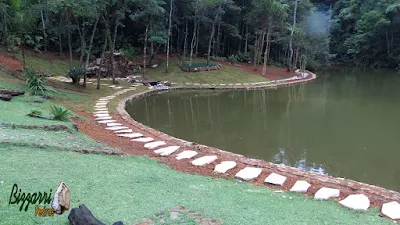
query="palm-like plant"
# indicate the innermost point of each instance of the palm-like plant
(60, 113)
(35, 82)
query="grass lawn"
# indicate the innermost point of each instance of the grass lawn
(54, 67)
(228, 74)
(130, 189)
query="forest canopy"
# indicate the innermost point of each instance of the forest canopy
(292, 33)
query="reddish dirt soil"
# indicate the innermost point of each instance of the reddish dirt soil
(377, 195)
(9, 61)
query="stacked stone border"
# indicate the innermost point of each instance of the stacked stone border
(328, 187)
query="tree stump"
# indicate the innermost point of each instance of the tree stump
(83, 216)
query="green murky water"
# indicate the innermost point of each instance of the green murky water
(346, 123)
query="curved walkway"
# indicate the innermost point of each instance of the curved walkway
(351, 194)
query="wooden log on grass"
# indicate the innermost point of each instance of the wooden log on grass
(5, 97)
(11, 92)
(83, 216)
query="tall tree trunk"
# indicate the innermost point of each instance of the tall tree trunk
(44, 28)
(144, 51)
(169, 34)
(69, 39)
(185, 41)
(23, 53)
(60, 29)
(210, 42)
(256, 46)
(290, 59)
(193, 42)
(266, 53)
(178, 40)
(296, 58)
(113, 49)
(387, 41)
(197, 39)
(102, 60)
(90, 48)
(218, 38)
(82, 34)
(246, 40)
(261, 46)
(241, 36)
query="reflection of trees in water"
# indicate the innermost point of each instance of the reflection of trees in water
(285, 158)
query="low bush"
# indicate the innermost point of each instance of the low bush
(233, 59)
(36, 112)
(60, 113)
(129, 51)
(36, 83)
(75, 73)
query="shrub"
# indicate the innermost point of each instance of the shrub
(75, 73)
(243, 57)
(36, 112)
(60, 113)
(218, 58)
(129, 51)
(36, 83)
(233, 59)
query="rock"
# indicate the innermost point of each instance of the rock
(5, 97)
(101, 112)
(167, 151)
(146, 222)
(155, 144)
(106, 121)
(208, 221)
(104, 118)
(116, 128)
(326, 193)
(12, 92)
(249, 173)
(300, 186)
(391, 210)
(275, 179)
(356, 202)
(224, 166)
(124, 131)
(174, 215)
(186, 155)
(61, 200)
(113, 124)
(144, 139)
(101, 115)
(130, 135)
(204, 160)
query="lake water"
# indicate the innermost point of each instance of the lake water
(346, 123)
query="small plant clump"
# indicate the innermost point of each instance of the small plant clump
(75, 73)
(36, 112)
(60, 113)
(37, 83)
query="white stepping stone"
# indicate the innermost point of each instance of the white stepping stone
(104, 118)
(326, 193)
(391, 210)
(101, 109)
(116, 128)
(249, 173)
(204, 160)
(106, 121)
(113, 124)
(124, 131)
(101, 115)
(143, 140)
(155, 144)
(275, 179)
(101, 112)
(300, 186)
(130, 135)
(186, 155)
(224, 166)
(358, 202)
(101, 103)
(167, 151)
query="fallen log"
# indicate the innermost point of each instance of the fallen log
(5, 97)
(12, 92)
(83, 216)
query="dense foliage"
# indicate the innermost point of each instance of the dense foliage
(295, 33)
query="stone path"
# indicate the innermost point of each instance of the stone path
(161, 148)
